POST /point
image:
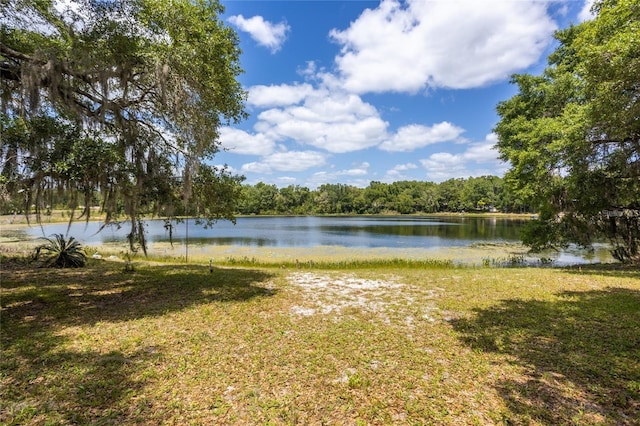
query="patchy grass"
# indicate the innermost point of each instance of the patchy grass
(342, 264)
(178, 344)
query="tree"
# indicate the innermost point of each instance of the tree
(377, 197)
(572, 135)
(143, 84)
(215, 194)
(450, 198)
(335, 198)
(293, 199)
(266, 197)
(427, 197)
(480, 193)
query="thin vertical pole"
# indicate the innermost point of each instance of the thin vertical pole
(186, 254)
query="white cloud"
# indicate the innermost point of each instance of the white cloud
(354, 177)
(443, 165)
(405, 167)
(585, 14)
(278, 95)
(479, 159)
(410, 46)
(240, 142)
(286, 180)
(256, 167)
(361, 169)
(414, 136)
(290, 161)
(398, 172)
(482, 152)
(332, 121)
(265, 33)
(295, 161)
(309, 71)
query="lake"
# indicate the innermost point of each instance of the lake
(404, 234)
(309, 231)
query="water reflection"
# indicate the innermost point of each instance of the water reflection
(305, 231)
(433, 233)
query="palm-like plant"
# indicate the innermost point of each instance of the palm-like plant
(62, 253)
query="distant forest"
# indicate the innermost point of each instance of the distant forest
(475, 194)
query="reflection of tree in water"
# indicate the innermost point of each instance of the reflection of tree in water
(581, 354)
(468, 229)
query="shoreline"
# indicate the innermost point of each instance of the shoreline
(499, 254)
(59, 217)
(504, 253)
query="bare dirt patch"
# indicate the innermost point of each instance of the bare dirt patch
(386, 298)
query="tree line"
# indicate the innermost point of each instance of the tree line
(474, 194)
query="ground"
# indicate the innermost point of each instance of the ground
(170, 343)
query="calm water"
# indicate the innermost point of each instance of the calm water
(297, 231)
(395, 233)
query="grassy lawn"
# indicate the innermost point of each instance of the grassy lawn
(387, 344)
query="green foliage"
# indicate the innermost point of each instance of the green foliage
(540, 234)
(60, 252)
(215, 194)
(116, 104)
(484, 193)
(572, 135)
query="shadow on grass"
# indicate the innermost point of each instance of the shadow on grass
(615, 270)
(581, 355)
(43, 379)
(44, 383)
(103, 292)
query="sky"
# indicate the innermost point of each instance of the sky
(357, 91)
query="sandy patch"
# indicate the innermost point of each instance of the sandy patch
(340, 295)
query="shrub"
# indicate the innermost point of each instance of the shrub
(61, 253)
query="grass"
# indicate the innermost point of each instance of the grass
(249, 344)
(344, 264)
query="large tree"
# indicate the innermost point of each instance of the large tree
(124, 98)
(572, 135)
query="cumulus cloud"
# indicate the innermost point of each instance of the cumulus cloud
(585, 14)
(329, 119)
(405, 167)
(444, 165)
(278, 95)
(333, 121)
(414, 136)
(241, 142)
(265, 33)
(295, 161)
(355, 176)
(289, 161)
(399, 172)
(286, 180)
(413, 45)
(256, 167)
(321, 116)
(361, 169)
(480, 158)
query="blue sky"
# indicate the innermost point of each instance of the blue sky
(358, 91)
